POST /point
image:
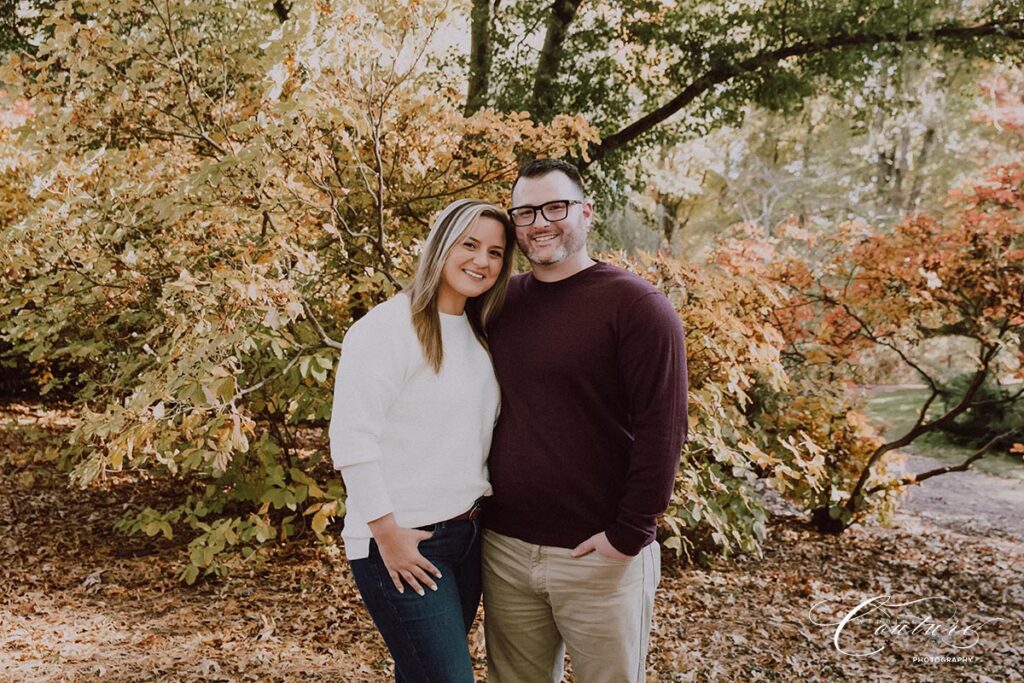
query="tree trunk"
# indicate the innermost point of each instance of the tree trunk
(545, 83)
(824, 523)
(914, 200)
(479, 56)
(901, 168)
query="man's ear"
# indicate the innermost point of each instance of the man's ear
(588, 210)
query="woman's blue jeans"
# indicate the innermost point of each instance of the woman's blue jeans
(427, 634)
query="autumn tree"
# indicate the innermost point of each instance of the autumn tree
(929, 278)
(218, 195)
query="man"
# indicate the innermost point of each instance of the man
(591, 363)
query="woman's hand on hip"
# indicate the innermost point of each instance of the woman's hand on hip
(399, 550)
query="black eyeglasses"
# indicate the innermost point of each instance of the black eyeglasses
(552, 211)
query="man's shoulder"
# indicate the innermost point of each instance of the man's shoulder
(620, 286)
(623, 277)
(636, 302)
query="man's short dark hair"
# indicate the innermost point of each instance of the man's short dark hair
(536, 168)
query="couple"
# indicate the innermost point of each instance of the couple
(582, 453)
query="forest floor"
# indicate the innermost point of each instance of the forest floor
(80, 602)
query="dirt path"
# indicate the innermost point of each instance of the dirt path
(970, 502)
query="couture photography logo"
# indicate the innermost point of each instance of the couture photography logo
(932, 630)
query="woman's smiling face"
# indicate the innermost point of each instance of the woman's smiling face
(473, 265)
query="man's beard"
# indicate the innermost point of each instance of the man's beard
(572, 242)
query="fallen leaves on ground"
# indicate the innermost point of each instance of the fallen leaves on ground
(79, 601)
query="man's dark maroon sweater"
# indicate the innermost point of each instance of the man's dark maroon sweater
(593, 409)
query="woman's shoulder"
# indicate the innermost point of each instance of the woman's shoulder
(388, 319)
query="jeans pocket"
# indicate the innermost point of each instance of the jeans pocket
(451, 541)
(472, 542)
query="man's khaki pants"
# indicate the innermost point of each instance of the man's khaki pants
(539, 600)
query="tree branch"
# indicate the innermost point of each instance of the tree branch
(1012, 30)
(280, 373)
(874, 338)
(333, 343)
(1010, 398)
(921, 428)
(962, 467)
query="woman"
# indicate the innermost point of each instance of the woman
(415, 401)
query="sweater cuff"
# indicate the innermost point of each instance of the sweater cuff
(364, 484)
(628, 540)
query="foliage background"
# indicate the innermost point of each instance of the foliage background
(198, 199)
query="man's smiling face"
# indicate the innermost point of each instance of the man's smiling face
(547, 242)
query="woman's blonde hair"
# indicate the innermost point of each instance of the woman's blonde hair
(449, 227)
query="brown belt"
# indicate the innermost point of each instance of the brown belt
(470, 514)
